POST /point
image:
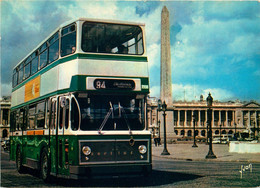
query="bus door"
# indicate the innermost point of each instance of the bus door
(61, 139)
(52, 139)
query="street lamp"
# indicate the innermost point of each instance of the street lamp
(194, 135)
(164, 108)
(222, 124)
(159, 122)
(210, 154)
(254, 129)
(159, 127)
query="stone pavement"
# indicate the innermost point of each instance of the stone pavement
(180, 151)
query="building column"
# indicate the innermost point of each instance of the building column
(243, 119)
(233, 118)
(249, 119)
(226, 118)
(213, 117)
(219, 117)
(199, 111)
(1, 116)
(256, 122)
(179, 117)
(206, 118)
(185, 117)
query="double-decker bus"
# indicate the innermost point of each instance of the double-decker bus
(79, 102)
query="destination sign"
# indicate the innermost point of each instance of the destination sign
(114, 84)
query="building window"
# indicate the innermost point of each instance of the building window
(189, 132)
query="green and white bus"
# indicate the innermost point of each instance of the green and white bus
(79, 102)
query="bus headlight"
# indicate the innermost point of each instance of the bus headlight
(86, 150)
(142, 149)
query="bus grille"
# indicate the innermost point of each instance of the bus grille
(113, 151)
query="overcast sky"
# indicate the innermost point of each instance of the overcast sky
(215, 46)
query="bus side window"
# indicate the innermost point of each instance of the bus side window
(43, 58)
(15, 77)
(68, 40)
(54, 48)
(31, 115)
(61, 109)
(27, 67)
(67, 105)
(34, 64)
(17, 120)
(74, 115)
(47, 116)
(21, 119)
(40, 115)
(64, 113)
(20, 73)
(53, 115)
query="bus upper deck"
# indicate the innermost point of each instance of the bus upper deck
(84, 55)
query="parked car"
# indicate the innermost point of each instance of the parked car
(224, 139)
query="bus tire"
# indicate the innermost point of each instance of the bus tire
(19, 161)
(45, 166)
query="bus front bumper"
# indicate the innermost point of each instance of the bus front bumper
(83, 172)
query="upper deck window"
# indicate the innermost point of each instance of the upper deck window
(15, 77)
(54, 47)
(112, 38)
(68, 40)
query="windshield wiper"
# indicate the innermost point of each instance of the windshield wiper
(106, 118)
(121, 109)
(124, 114)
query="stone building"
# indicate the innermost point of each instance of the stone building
(5, 106)
(228, 118)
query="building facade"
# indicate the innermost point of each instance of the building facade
(227, 118)
(5, 106)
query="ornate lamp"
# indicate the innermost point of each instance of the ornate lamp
(164, 108)
(210, 154)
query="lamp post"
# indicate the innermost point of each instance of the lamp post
(159, 126)
(210, 154)
(164, 108)
(194, 135)
(254, 129)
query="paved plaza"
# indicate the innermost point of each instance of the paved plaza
(185, 151)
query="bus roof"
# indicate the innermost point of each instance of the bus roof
(76, 20)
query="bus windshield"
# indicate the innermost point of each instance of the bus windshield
(112, 38)
(111, 113)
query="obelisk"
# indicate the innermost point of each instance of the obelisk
(166, 80)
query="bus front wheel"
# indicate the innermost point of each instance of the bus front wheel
(45, 166)
(19, 161)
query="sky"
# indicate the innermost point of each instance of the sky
(215, 45)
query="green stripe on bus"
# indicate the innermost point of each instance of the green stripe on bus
(78, 83)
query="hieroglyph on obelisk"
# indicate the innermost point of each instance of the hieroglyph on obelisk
(166, 80)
